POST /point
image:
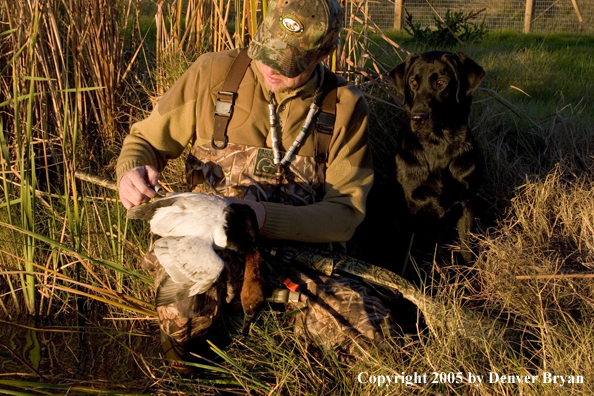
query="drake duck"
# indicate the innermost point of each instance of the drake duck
(192, 226)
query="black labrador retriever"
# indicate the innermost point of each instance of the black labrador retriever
(437, 161)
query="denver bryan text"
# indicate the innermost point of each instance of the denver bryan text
(545, 378)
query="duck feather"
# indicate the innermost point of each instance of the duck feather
(186, 215)
(189, 260)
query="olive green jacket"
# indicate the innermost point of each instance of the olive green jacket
(185, 115)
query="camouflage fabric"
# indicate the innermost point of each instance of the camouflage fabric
(189, 318)
(340, 310)
(248, 173)
(295, 33)
(333, 310)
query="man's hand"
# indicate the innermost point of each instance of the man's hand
(137, 186)
(257, 207)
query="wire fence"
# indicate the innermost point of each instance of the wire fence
(547, 15)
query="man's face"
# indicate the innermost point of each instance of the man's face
(276, 82)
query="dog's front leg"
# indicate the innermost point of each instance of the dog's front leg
(465, 227)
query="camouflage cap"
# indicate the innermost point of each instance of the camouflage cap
(295, 33)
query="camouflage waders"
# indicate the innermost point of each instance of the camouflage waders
(337, 309)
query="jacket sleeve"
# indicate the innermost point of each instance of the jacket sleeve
(349, 178)
(168, 129)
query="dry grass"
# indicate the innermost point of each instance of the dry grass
(546, 235)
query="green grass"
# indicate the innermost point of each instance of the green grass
(553, 70)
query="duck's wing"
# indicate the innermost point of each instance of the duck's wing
(169, 292)
(190, 262)
(188, 201)
(147, 210)
(187, 214)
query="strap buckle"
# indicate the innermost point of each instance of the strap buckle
(222, 146)
(323, 136)
(224, 104)
(325, 123)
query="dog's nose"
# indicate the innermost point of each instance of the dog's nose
(420, 116)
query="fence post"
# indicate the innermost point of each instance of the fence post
(577, 11)
(528, 15)
(398, 14)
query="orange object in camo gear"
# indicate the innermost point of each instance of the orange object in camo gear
(290, 284)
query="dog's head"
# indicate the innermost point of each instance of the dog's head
(437, 86)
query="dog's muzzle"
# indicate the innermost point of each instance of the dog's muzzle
(420, 116)
(418, 119)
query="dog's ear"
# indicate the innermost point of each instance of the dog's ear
(454, 62)
(474, 73)
(399, 73)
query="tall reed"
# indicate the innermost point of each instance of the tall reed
(53, 118)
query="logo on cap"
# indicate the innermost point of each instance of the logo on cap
(291, 23)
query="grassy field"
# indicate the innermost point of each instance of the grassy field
(542, 74)
(69, 274)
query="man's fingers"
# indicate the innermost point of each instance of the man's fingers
(152, 175)
(143, 188)
(130, 195)
(127, 204)
(125, 196)
(136, 186)
(144, 179)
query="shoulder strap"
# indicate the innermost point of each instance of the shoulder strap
(326, 117)
(226, 99)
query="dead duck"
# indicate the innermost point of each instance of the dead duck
(191, 227)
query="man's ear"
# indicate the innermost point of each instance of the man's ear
(473, 72)
(398, 75)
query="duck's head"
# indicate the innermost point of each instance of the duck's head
(241, 228)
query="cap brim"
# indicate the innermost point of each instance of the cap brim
(290, 62)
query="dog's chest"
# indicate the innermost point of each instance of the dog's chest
(431, 151)
(438, 154)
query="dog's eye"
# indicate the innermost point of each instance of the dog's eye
(414, 83)
(440, 83)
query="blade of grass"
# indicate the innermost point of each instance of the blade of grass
(104, 290)
(55, 244)
(28, 173)
(28, 385)
(244, 374)
(104, 300)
